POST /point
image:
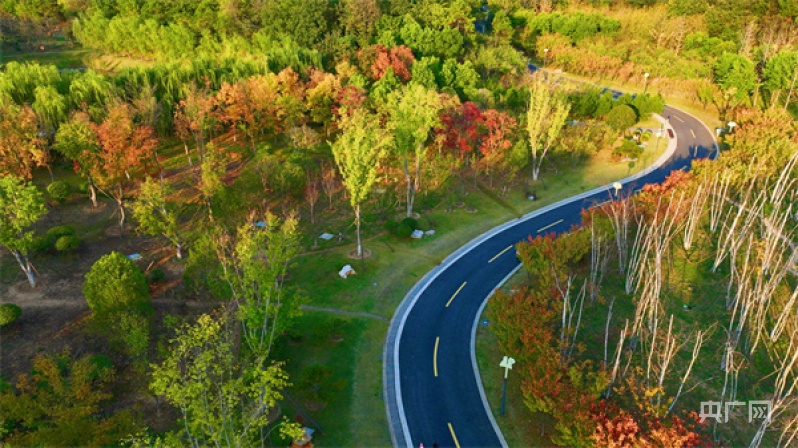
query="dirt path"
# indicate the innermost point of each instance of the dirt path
(344, 313)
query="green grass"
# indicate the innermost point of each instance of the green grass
(395, 266)
(62, 59)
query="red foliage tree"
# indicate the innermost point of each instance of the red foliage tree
(399, 58)
(463, 128)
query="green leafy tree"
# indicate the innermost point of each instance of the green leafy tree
(115, 284)
(20, 206)
(155, 215)
(77, 141)
(223, 399)
(736, 75)
(358, 153)
(622, 117)
(413, 116)
(59, 404)
(780, 75)
(545, 119)
(50, 107)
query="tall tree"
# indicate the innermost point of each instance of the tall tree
(155, 215)
(544, 120)
(20, 206)
(21, 147)
(125, 149)
(77, 141)
(413, 116)
(358, 153)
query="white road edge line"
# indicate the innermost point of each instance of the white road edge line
(452, 258)
(474, 356)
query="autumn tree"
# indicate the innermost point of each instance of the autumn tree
(124, 151)
(497, 144)
(195, 115)
(60, 403)
(358, 153)
(156, 215)
(413, 115)
(21, 206)
(21, 147)
(544, 120)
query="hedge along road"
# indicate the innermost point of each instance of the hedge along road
(433, 392)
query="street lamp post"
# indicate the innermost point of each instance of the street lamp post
(507, 363)
(645, 81)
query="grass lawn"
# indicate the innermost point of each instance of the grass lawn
(62, 59)
(381, 282)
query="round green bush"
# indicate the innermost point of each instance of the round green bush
(391, 226)
(404, 230)
(67, 243)
(59, 231)
(42, 243)
(59, 190)
(9, 313)
(115, 284)
(411, 222)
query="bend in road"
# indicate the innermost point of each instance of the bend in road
(432, 388)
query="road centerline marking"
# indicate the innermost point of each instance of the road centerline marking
(500, 254)
(435, 356)
(550, 225)
(677, 117)
(693, 133)
(451, 430)
(455, 294)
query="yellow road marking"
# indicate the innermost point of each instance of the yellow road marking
(435, 356)
(692, 132)
(550, 225)
(500, 254)
(676, 117)
(455, 294)
(451, 430)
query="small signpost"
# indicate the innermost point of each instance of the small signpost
(507, 363)
(617, 186)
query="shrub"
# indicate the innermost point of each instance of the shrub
(59, 231)
(67, 243)
(42, 243)
(9, 313)
(621, 117)
(628, 149)
(391, 226)
(404, 230)
(115, 284)
(411, 222)
(59, 190)
(157, 275)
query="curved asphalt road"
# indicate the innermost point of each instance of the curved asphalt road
(432, 390)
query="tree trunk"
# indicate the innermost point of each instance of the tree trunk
(121, 215)
(92, 193)
(188, 154)
(179, 250)
(409, 189)
(416, 182)
(24, 263)
(357, 223)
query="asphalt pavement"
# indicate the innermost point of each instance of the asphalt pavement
(432, 390)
